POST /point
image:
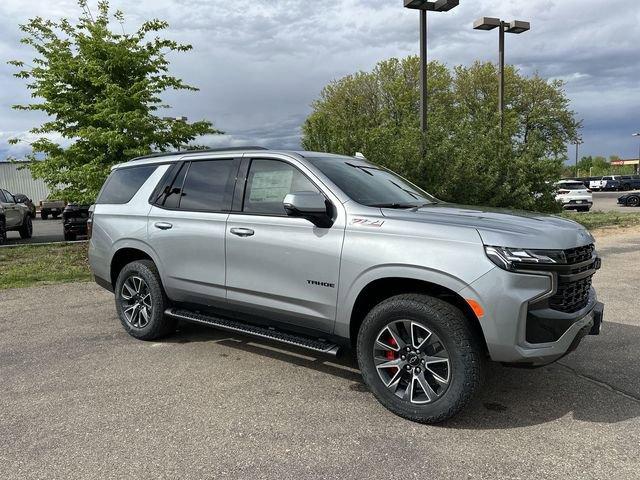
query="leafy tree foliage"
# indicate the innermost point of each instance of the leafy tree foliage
(467, 160)
(101, 91)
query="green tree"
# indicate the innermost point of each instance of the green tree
(467, 158)
(101, 91)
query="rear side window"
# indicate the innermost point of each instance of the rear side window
(208, 186)
(123, 184)
(170, 192)
(2, 199)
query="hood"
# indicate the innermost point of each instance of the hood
(501, 227)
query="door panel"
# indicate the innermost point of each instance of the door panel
(190, 248)
(186, 228)
(282, 267)
(288, 268)
(12, 213)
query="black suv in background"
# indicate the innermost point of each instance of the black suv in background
(74, 221)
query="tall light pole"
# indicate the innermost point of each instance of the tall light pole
(637, 166)
(516, 26)
(426, 6)
(578, 141)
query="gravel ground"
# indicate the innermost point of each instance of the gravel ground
(81, 399)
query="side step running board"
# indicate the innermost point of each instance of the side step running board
(229, 325)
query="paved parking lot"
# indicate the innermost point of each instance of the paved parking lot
(608, 202)
(81, 399)
(43, 231)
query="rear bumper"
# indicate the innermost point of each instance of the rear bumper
(77, 228)
(571, 204)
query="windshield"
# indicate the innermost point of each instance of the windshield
(571, 186)
(370, 185)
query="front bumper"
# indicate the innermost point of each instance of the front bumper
(519, 326)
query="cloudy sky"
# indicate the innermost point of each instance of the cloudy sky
(260, 64)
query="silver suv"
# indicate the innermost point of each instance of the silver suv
(328, 252)
(13, 216)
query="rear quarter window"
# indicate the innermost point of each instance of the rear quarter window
(124, 183)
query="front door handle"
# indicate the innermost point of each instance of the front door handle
(242, 232)
(163, 225)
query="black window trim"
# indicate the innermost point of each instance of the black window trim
(113, 172)
(154, 196)
(241, 184)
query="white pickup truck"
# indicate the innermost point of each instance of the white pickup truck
(610, 182)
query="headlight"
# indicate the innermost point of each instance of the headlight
(513, 258)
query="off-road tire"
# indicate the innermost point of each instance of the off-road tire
(159, 324)
(465, 349)
(44, 216)
(26, 230)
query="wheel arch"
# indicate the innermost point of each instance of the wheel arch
(382, 288)
(124, 255)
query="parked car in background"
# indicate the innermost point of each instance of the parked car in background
(22, 198)
(607, 183)
(326, 252)
(74, 221)
(630, 200)
(13, 216)
(51, 207)
(573, 195)
(629, 182)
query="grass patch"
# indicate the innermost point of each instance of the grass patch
(30, 265)
(593, 220)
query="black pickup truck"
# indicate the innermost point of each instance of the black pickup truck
(74, 221)
(630, 182)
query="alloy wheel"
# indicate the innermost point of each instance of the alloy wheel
(412, 361)
(136, 301)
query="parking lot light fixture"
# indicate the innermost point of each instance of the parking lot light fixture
(426, 6)
(517, 27)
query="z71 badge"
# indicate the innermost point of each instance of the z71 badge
(367, 222)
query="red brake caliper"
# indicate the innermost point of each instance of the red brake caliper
(391, 355)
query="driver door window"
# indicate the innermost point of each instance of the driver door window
(269, 181)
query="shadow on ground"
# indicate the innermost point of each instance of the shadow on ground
(579, 385)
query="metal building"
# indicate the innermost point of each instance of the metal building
(17, 179)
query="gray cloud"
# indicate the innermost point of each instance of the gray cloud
(260, 64)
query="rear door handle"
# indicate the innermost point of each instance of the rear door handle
(242, 232)
(163, 225)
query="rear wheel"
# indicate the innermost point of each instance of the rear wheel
(44, 215)
(419, 357)
(633, 202)
(26, 230)
(3, 231)
(141, 301)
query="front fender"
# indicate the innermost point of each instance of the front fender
(349, 293)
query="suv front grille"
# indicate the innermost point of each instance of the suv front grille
(579, 254)
(573, 295)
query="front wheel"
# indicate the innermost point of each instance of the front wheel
(26, 230)
(633, 202)
(141, 301)
(420, 358)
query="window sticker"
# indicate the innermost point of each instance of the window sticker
(270, 186)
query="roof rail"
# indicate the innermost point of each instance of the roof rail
(204, 150)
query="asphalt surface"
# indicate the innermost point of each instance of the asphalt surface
(44, 231)
(608, 202)
(81, 399)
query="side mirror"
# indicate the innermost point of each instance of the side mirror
(309, 205)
